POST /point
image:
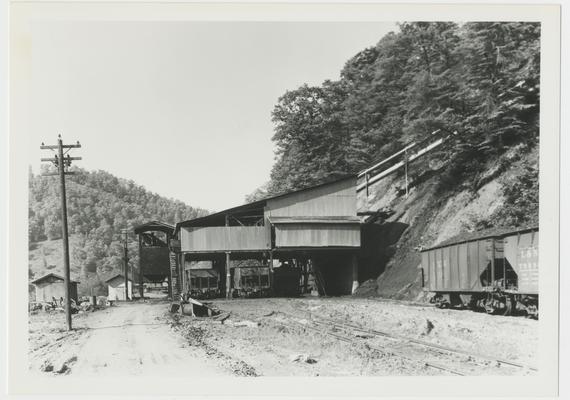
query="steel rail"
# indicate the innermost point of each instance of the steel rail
(382, 349)
(421, 342)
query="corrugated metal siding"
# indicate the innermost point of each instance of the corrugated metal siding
(336, 199)
(317, 235)
(225, 238)
(521, 251)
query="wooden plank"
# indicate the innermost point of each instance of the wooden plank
(320, 220)
(336, 199)
(317, 235)
(400, 164)
(222, 238)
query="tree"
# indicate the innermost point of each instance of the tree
(478, 79)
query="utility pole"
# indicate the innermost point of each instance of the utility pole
(228, 264)
(126, 260)
(61, 162)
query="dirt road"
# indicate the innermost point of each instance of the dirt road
(127, 339)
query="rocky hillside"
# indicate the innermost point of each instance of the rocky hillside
(504, 194)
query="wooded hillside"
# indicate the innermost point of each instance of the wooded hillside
(480, 80)
(99, 206)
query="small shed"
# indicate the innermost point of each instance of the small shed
(53, 286)
(116, 287)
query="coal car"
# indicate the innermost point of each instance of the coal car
(204, 283)
(496, 273)
(251, 281)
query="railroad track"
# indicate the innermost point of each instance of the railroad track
(330, 327)
(386, 350)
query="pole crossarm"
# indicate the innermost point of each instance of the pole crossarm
(57, 173)
(56, 159)
(56, 147)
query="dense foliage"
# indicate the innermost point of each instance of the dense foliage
(99, 206)
(478, 79)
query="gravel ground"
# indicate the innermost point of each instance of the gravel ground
(282, 337)
(268, 333)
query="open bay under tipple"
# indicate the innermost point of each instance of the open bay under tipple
(157, 261)
(310, 237)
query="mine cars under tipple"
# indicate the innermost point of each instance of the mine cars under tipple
(272, 246)
(496, 272)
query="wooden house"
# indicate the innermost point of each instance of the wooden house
(116, 287)
(52, 286)
(317, 226)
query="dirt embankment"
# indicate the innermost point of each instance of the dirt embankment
(426, 217)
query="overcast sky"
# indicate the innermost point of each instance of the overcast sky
(183, 108)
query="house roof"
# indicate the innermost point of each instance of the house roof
(480, 235)
(259, 204)
(117, 276)
(131, 277)
(154, 226)
(51, 275)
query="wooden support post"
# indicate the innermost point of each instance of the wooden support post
(228, 277)
(126, 261)
(271, 283)
(182, 277)
(354, 262)
(228, 269)
(189, 281)
(141, 286)
(305, 276)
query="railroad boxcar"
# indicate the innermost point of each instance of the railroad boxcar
(497, 273)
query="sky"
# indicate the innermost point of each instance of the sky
(182, 108)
